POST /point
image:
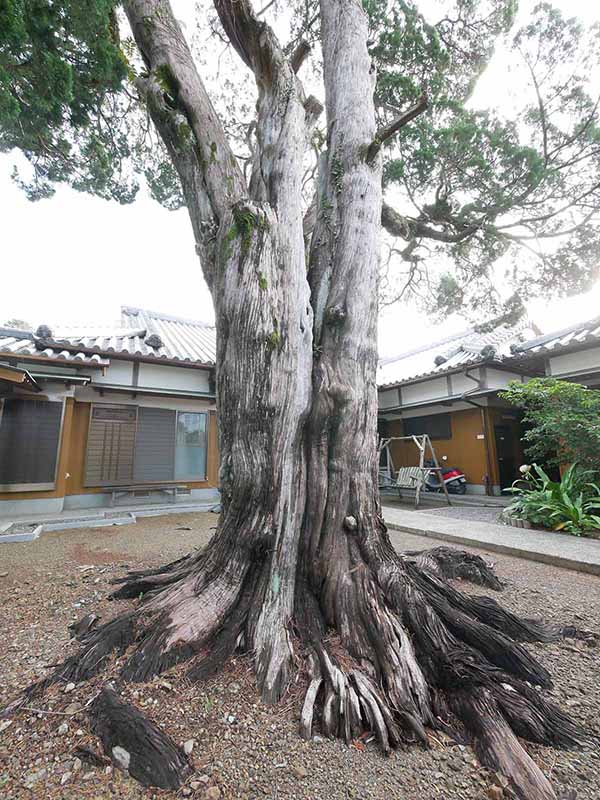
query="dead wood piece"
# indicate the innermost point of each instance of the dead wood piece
(299, 54)
(136, 744)
(387, 131)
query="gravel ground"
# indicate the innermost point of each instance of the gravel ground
(242, 748)
(472, 513)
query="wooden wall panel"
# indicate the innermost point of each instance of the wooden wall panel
(76, 468)
(110, 448)
(464, 449)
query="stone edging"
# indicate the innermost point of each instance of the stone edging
(515, 522)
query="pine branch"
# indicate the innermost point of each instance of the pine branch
(387, 131)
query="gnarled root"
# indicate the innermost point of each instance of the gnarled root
(437, 659)
(141, 582)
(450, 563)
(351, 702)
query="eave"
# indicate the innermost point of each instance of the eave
(19, 378)
(101, 388)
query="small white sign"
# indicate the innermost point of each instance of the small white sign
(480, 436)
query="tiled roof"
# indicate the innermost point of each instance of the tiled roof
(463, 349)
(581, 333)
(145, 334)
(23, 344)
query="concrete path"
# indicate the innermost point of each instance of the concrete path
(558, 549)
(29, 527)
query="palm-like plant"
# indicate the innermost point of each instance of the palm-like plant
(568, 505)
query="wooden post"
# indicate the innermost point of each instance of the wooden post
(439, 469)
(421, 446)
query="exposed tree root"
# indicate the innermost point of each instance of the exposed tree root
(141, 582)
(81, 628)
(391, 647)
(420, 654)
(451, 563)
(497, 746)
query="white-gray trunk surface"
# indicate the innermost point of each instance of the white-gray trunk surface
(301, 570)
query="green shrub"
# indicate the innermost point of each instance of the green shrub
(563, 420)
(569, 505)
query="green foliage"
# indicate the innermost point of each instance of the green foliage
(562, 418)
(246, 221)
(486, 188)
(570, 505)
(162, 180)
(61, 71)
(226, 243)
(450, 295)
(167, 82)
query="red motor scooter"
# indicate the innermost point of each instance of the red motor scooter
(453, 477)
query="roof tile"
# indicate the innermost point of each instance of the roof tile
(579, 333)
(188, 341)
(460, 350)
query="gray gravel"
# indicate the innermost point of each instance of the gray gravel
(473, 513)
(242, 748)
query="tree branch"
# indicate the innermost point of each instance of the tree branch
(285, 115)
(387, 131)
(542, 110)
(299, 55)
(408, 228)
(168, 123)
(253, 40)
(172, 69)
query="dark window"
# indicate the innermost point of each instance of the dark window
(155, 445)
(437, 426)
(29, 437)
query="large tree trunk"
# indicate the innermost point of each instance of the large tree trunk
(301, 565)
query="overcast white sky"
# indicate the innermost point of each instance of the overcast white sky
(78, 258)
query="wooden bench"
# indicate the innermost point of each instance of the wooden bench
(409, 477)
(136, 491)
